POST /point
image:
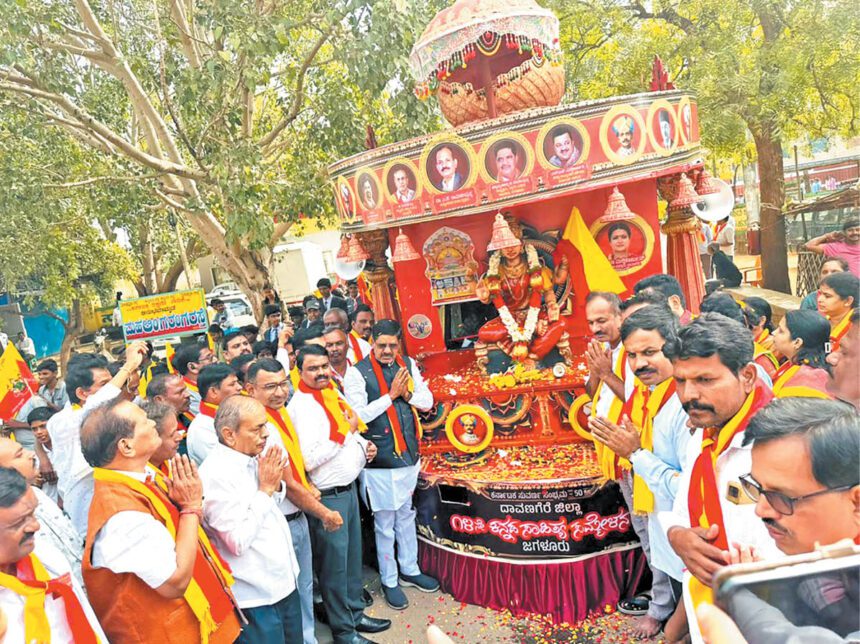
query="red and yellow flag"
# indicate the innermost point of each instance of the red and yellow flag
(17, 384)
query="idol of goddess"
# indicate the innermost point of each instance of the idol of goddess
(529, 325)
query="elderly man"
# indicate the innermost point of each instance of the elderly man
(89, 384)
(719, 387)
(268, 384)
(402, 192)
(334, 454)
(150, 571)
(188, 361)
(39, 600)
(217, 382)
(242, 515)
(55, 526)
(386, 389)
(167, 427)
(338, 354)
(336, 317)
(652, 437)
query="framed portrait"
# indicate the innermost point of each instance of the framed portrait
(562, 143)
(622, 135)
(505, 157)
(344, 199)
(627, 243)
(401, 181)
(663, 130)
(448, 164)
(369, 190)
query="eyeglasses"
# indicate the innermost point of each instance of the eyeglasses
(274, 386)
(780, 502)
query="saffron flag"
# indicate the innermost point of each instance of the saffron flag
(17, 384)
(589, 268)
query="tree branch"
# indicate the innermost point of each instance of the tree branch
(299, 90)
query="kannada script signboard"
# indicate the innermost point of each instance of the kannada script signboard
(163, 315)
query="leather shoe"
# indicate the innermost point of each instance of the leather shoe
(358, 639)
(369, 624)
(366, 597)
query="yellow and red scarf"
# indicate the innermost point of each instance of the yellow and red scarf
(33, 583)
(280, 419)
(789, 382)
(391, 413)
(208, 595)
(703, 497)
(208, 409)
(838, 332)
(356, 346)
(335, 407)
(609, 462)
(192, 386)
(642, 408)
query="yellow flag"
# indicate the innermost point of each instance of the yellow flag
(17, 384)
(599, 274)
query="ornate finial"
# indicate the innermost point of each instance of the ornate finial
(503, 237)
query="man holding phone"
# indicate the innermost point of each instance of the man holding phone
(805, 481)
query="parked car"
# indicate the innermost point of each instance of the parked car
(238, 305)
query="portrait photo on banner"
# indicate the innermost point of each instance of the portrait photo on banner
(505, 160)
(448, 166)
(401, 183)
(627, 243)
(368, 190)
(563, 146)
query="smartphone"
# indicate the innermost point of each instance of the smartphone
(809, 597)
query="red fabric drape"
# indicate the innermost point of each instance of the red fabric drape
(568, 591)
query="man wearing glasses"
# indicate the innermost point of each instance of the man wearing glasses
(805, 482)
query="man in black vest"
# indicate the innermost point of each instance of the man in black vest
(385, 389)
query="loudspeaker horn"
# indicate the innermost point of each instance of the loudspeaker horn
(717, 206)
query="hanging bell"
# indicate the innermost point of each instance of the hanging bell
(404, 251)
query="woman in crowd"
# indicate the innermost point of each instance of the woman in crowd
(802, 337)
(758, 315)
(831, 265)
(837, 297)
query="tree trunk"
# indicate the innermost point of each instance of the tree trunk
(774, 250)
(147, 258)
(73, 329)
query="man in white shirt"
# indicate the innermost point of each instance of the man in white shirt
(88, 384)
(188, 361)
(653, 436)
(609, 380)
(361, 322)
(385, 389)
(241, 515)
(338, 354)
(216, 382)
(334, 456)
(268, 383)
(718, 385)
(26, 557)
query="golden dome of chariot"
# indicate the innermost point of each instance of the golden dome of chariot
(486, 58)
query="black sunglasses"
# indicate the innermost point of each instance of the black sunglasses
(780, 502)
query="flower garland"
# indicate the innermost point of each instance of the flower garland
(521, 336)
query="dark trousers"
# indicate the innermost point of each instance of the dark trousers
(279, 623)
(337, 560)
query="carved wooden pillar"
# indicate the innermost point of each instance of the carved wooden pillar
(682, 247)
(381, 278)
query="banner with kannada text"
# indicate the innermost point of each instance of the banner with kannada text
(164, 315)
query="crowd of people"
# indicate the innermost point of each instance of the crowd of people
(731, 439)
(221, 503)
(223, 499)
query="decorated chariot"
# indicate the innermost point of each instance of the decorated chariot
(484, 240)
